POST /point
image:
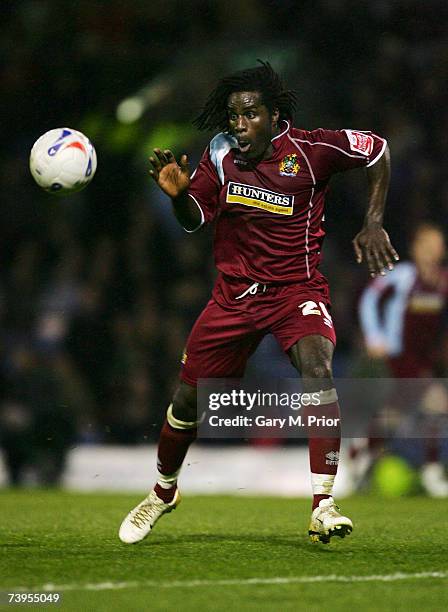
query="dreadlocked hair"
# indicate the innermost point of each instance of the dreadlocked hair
(263, 79)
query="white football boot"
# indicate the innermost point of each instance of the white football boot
(139, 522)
(434, 480)
(327, 522)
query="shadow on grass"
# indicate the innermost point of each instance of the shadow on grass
(265, 541)
(203, 541)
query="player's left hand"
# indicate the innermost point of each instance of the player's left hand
(373, 245)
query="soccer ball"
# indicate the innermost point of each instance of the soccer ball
(63, 161)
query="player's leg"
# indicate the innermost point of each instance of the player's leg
(209, 359)
(312, 356)
(178, 432)
(219, 346)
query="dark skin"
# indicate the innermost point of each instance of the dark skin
(254, 126)
(251, 123)
(372, 243)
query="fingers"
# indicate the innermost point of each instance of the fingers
(379, 263)
(154, 173)
(155, 166)
(358, 251)
(377, 251)
(393, 252)
(161, 159)
(388, 252)
(372, 264)
(389, 255)
(379, 260)
(158, 161)
(374, 256)
(184, 165)
(169, 156)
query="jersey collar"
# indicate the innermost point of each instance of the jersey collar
(285, 129)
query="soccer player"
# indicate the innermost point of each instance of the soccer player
(402, 316)
(263, 183)
(403, 320)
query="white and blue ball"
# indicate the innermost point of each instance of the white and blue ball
(63, 161)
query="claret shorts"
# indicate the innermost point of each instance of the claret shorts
(241, 312)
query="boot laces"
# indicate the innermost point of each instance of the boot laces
(148, 510)
(332, 510)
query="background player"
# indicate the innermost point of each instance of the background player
(403, 320)
(264, 183)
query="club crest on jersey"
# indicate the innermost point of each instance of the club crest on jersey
(257, 197)
(289, 166)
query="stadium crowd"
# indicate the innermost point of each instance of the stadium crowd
(99, 291)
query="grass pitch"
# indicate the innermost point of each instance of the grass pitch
(225, 553)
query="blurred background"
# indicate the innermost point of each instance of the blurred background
(98, 291)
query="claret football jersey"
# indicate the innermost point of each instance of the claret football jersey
(268, 216)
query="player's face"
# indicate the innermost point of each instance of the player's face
(428, 247)
(252, 124)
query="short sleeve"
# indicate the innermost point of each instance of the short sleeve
(204, 188)
(339, 150)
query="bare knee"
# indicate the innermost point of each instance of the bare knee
(316, 369)
(316, 374)
(185, 403)
(313, 356)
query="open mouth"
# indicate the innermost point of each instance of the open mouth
(244, 146)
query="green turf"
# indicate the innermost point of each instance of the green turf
(66, 538)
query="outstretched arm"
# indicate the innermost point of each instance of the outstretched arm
(372, 243)
(174, 180)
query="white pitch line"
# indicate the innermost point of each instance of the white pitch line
(134, 584)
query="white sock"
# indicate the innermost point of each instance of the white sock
(166, 482)
(322, 484)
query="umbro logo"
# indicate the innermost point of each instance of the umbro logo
(332, 458)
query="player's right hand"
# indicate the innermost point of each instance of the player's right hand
(172, 177)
